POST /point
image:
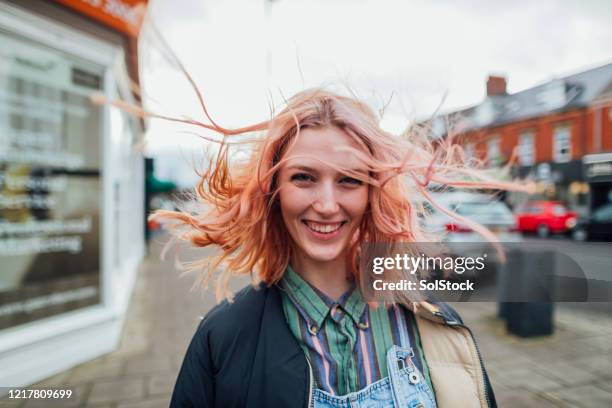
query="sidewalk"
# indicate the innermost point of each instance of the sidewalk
(573, 368)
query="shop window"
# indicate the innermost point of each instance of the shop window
(562, 144)
(603, 213)
(526, 149)
(50, 181)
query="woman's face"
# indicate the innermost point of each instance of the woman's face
(321, 207)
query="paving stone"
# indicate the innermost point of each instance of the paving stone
(600, 344)
(606, 385)
(58, 380)
(6, 403)
(587, 396)
(148, 403)
(524, 399)
(553, 351)
(527, 378)
(161, 384)
(116, 390)
(148, 365)
(177, 360)
(164, 349)
(600, 365)
(138, 347)
(497, 384)
(568, 373)
(101, 370)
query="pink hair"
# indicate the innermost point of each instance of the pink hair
(242, 217)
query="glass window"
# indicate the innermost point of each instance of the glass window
(526, 149)
(50, 184)
(562, 144)
(559, 210)
(493, 151)
(603, 214)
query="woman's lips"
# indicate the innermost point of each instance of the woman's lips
(324, 231)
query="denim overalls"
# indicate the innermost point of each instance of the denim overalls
(405, 386)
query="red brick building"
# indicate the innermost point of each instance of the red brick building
(552, 128)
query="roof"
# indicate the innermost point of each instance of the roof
(557, 95)
(606, 94)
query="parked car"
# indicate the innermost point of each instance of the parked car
(597, 226)
(545, 218)
(490, 212)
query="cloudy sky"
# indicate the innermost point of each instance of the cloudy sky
(248, 54)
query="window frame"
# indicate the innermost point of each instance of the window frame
(558, 155)
(494, 140)
(522, 145)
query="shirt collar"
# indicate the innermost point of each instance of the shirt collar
(315, 306)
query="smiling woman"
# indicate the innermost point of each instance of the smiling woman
(322, 180)
(322, 207)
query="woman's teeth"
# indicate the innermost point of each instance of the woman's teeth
(323, 228)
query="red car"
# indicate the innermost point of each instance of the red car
(545, 217)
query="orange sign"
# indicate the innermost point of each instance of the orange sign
(122, 15)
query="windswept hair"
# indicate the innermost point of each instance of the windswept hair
(243, 218)
(241, 213)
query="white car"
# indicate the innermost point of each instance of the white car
(483, 209)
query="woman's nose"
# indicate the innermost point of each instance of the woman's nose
(325, 202)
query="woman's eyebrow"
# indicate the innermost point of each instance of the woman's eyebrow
(301, 167)
(358, 170)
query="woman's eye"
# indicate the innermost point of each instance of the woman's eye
(301, 177)
(350, 180)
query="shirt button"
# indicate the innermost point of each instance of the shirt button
(363, 326)
(313, 329)
(413, 378)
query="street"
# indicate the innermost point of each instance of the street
(594, 258)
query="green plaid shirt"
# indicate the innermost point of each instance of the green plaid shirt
(346, 340)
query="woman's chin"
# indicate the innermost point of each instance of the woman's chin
(323, 254)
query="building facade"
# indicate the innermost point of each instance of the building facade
(548, 131)
(71, 183)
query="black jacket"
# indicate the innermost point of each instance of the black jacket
(244, 355)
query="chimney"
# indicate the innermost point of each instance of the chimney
(496, 85)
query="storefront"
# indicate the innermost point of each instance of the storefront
(598, 171)
(563, 182)
(71, 185)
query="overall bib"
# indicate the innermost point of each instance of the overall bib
(404, 387)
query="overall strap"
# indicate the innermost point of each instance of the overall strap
(402, 326)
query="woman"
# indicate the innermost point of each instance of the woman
(323, 180)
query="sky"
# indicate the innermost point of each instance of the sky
(411, 57)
